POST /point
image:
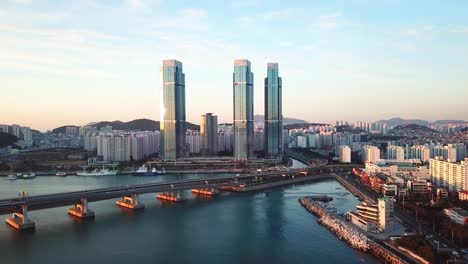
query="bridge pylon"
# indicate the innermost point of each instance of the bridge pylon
(206, 191)
(170, 196)
(130, 202)
(81, 210)
(20, 220)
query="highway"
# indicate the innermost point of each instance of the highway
(69, 198)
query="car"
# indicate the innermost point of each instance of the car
(444, 245)
(455, 254)
(464, 251)
(436, 242)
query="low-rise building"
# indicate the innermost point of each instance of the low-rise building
(390, 190)
(374, 218)
(463, 195)
(457, 215)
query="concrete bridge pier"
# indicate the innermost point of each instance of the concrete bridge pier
(131, 202)
(206, 191)
(21, 221)
(170, 196)
(81, 210)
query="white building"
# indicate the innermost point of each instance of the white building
(370, 154)
(301, 142)
(124, 146)
(394, 168)
(449, 175)
(418, 186)
(374, 218)
(395, 153)
(345, 154)
(193, 140)
(71, 130)
(421, 152)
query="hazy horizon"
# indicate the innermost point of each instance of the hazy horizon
(72, 63)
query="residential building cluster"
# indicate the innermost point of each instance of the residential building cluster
(24, 134)
(121, 145)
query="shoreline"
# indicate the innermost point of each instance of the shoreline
(348, 233)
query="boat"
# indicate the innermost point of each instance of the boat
(61, 174)
(97, 172)
(144, 171)
(11, 177)
(32, 175)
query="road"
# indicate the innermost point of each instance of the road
(402, 215)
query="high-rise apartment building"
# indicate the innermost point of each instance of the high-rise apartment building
(209, 134)
(273, 129)
(370, 154)
(172, 111)
(243, 110)
(449, 175)
(345, 154)
(395, 153)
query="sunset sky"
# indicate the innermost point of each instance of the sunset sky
(74, 62)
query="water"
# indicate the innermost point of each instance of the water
(262, 227)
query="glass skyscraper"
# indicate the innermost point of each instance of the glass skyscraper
(172, 124)
(243, 109)
(273, 137)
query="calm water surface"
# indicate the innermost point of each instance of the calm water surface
(262, 227)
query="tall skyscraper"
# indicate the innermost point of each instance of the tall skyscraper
(273, 137)
(209, 134)
(172, 112)
(243, 109)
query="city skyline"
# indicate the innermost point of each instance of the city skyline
(57, 65)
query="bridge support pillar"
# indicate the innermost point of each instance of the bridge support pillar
(81, 210)
(21, 221)
(206, 191)
(131, 202)
(170, 196)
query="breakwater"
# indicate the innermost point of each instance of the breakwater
(348, 233)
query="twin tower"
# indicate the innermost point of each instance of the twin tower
(173, 145)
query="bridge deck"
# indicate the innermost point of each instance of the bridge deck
(68, 198)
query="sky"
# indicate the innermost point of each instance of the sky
(75, 62)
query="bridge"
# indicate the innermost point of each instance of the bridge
(79, 200)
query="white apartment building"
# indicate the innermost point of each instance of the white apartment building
(449, 175)
(395, 153)
(345, 154)
(370, 154)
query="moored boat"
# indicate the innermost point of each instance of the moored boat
(144, 171)
(97, 172)
(32, 175)
(11, 177)
(61, 174)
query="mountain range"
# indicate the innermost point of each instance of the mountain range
(150, 125)
(393, 122)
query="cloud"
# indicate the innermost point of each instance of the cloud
(279, 14)
(458, 29)
(141, 4)
(419, 31)
(329, 21)
(189, 19)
